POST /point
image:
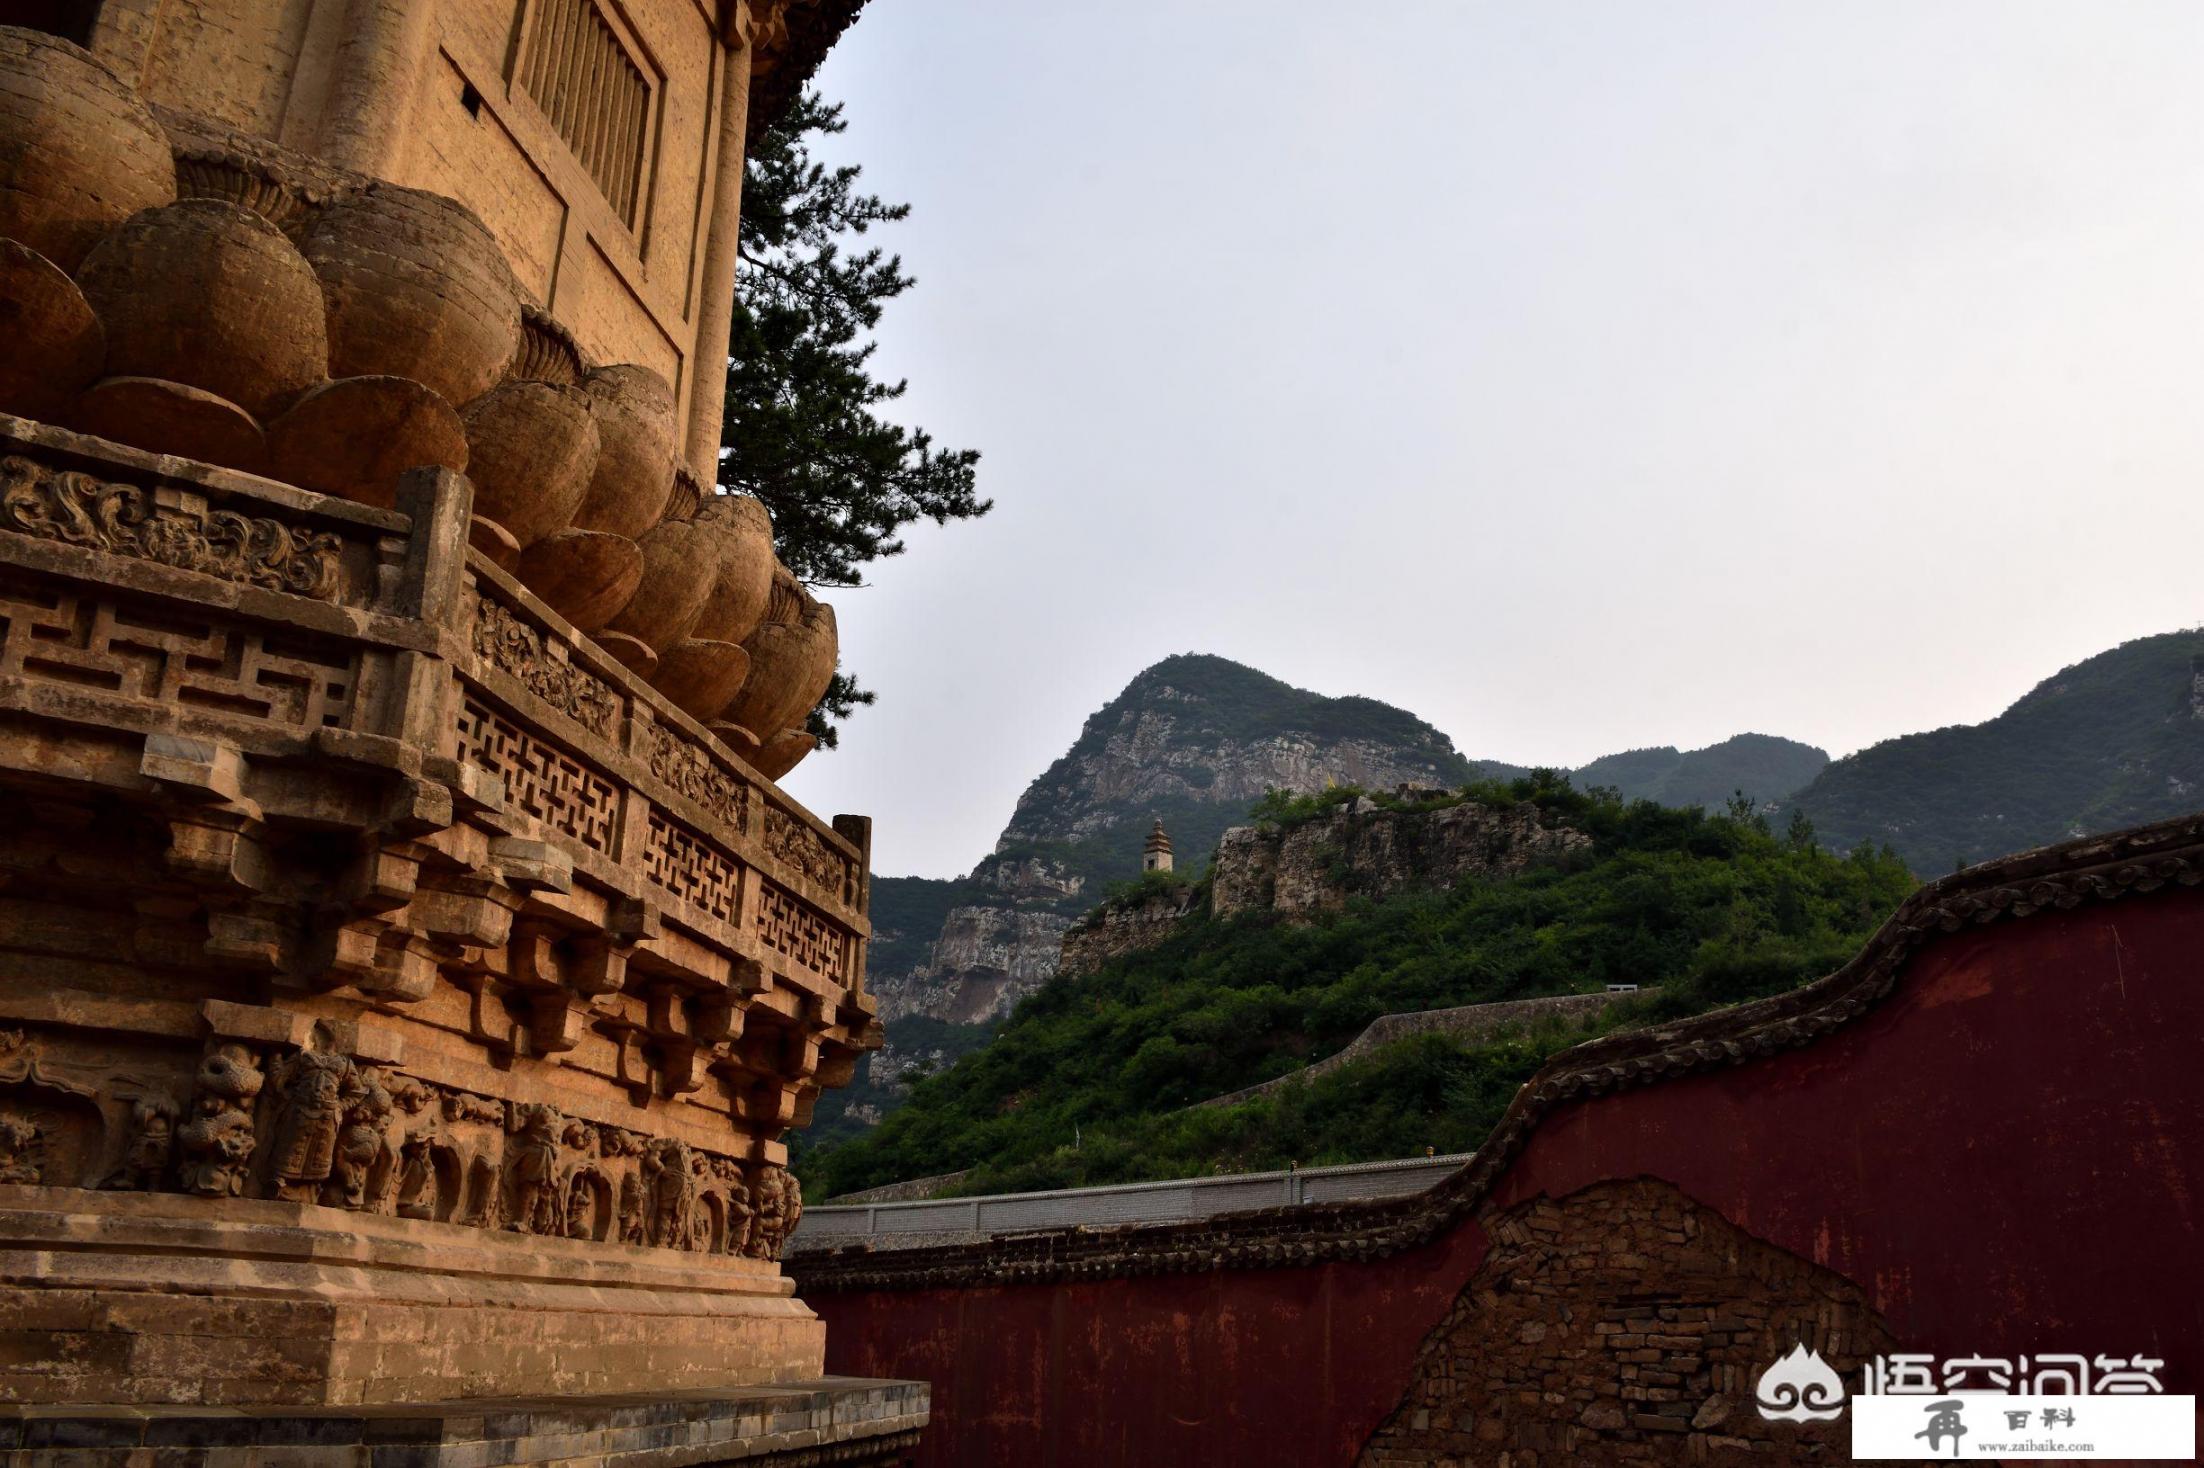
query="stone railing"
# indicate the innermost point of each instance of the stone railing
(887, 1223)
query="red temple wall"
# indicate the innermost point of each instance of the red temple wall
(2000, 1155)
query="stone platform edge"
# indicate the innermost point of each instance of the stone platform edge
(830, 1420)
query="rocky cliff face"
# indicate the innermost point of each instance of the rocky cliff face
(1121, 928)
(1146, 762)
(1360, 848)
(1194, 741)
(986, 959)
(1204, 731)
(1365, 848)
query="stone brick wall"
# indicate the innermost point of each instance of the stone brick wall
(1624, 1324)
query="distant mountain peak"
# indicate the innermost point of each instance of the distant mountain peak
(1200, 730)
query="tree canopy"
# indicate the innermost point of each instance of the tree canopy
(805, 431)
(804, 427)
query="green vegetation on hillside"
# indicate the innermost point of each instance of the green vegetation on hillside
(1762, 766)
(2116, 740)
(1084, 1082)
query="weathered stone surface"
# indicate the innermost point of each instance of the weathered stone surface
(743, 590)
(585, 575)
(984, 962)
(680, 567)
(548, 352)
(790, 1424)
(783, 753)
(530, 448)
(699, 675)
(1605, 1326)
(210, 295)
(1116, 929)
(416, 287)
(164, 417)
(55, 344)
(79, 153)
(413, 1004)
(401, 1016)
(355, 436)
(633, 476)
(792, 659)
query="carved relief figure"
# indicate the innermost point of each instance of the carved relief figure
(532, 1164)
(315, 1089)
(792, 1207)
(217, 1143)
(765, 1232)
(589, 1205)
(780, 1203)
(359, 1144)
(18, 1139)
(739, 1212)
(145, 1156)
(416, 1177)
(670, 1189)
(631, 1209)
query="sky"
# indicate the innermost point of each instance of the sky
(1580, 376)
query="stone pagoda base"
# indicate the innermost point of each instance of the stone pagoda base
(130, 1298)
(832, 1420)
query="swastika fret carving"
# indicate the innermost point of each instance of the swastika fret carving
(540, 780)
(693, 870)
(111, 644)
(788, 927)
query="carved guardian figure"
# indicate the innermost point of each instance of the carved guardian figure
(315, 1090)
(217, 1144)
(145, 1156)
(670, 1193)
(360, 1146)
(18, 1136)
(532, 1164)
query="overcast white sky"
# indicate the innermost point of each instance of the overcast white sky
(1579, 376)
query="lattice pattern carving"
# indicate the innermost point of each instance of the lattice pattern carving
(541, 781)
(87, 640)
(788, 927)
(692, 870)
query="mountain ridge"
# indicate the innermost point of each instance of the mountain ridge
(2114, 740)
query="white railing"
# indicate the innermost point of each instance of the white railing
(1174, 1201)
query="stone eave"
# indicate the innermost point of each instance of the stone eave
(813, 28)
(2140, 860)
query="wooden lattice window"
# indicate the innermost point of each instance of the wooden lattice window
(582, 75)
